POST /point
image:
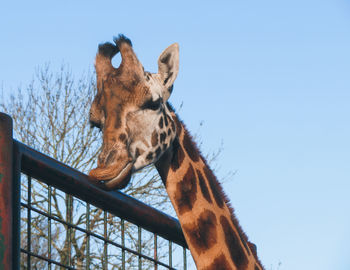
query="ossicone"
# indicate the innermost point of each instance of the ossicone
(106, 51)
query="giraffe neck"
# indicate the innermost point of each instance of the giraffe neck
(213, 234)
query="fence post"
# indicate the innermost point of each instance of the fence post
(6, 192)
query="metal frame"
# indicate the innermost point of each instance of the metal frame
(17, 159)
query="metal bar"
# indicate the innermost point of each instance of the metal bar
(155, 252)
(6, 211)
(49, 225)
(105, 258)
(185, 258)
(139, 248)
(46, 259)
(123, 242)
(76, 183)
(29, 221)
(16, 206)
(88, 237)
(69, 228)
(170, 254)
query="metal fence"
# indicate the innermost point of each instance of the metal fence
(95, 230)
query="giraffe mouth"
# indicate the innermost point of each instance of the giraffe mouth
(107, 179)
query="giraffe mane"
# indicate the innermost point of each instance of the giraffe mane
(213, 177)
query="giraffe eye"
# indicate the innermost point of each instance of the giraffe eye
(152, 105)
(98, 125)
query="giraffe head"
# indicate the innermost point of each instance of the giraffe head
(130, 108)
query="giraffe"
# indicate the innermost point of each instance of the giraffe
(140, 127)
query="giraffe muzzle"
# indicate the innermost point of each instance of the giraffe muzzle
(114, 176)
(120, 181)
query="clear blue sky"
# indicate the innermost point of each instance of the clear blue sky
(269, 78)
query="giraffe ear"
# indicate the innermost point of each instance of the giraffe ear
(168, 67)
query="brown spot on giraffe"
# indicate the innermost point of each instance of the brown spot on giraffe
(219, 263)
(178, 155)
(166, 122)
(162, 137)
(204, 187)
(122, 137)
(154, 139)
(190, 148)
(186, 193)
(234, 244)
(214, 186)
(138, 152)
(161, 122)
(202, 233)
(149, 156)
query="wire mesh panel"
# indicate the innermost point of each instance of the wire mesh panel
(60, 231)
(59, 220)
